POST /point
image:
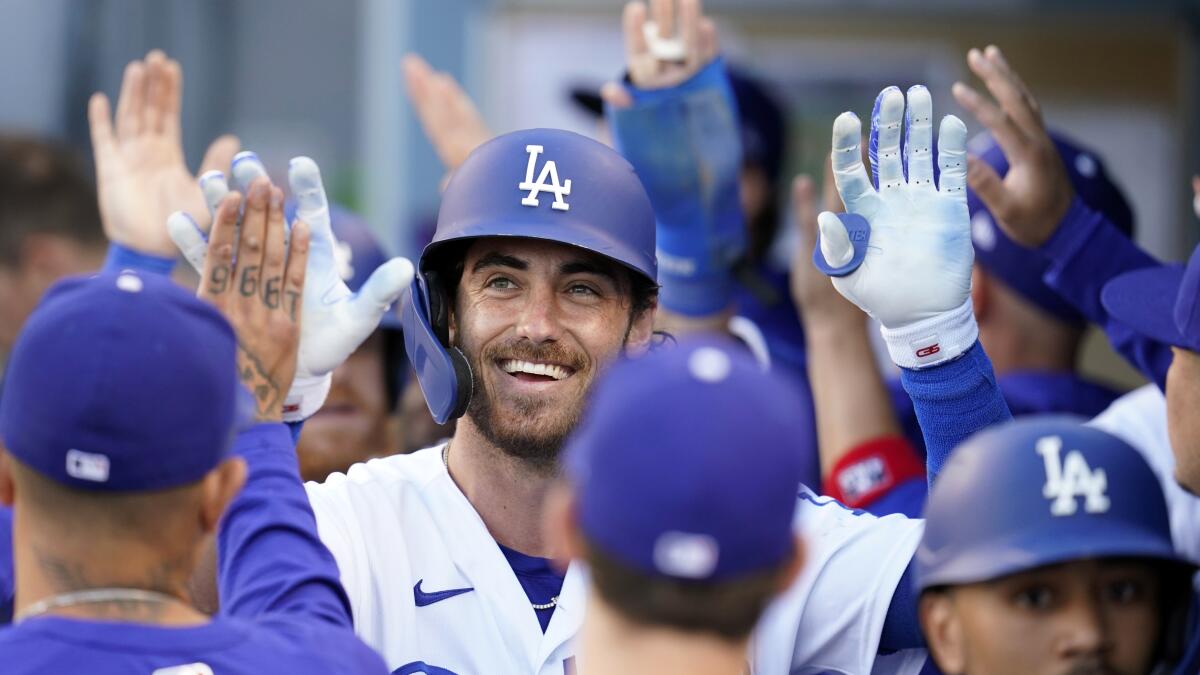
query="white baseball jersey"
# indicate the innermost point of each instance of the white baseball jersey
(408, 543)
(1140, 419)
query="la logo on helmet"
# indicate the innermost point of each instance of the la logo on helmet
(549, 171)
(1071, 478)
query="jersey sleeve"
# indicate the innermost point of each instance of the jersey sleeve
(831, 619)
(338, 527)
(1140, 419)
(269, 557)
(1085, 253)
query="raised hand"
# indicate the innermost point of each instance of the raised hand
(259, 289)
(667, 47)
(449, 117)
(337, 321)
(140, 171)
(820, 306)
(915, 274)
(1035, 194)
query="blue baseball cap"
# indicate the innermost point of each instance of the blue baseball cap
(685, 465)
(1020, 268)
(1162, 303)
(123, 382)
(1037, 491)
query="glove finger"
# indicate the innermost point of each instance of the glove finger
(887, 170)
(246, 167)
(918, 135)
(849, 174)
(190, 239)
(834, 240)
(214, 187)
(304, 177)
(952, 157)
(381, 289)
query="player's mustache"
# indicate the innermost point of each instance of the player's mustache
(549, 352)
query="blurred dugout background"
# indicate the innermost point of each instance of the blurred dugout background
(321, 77)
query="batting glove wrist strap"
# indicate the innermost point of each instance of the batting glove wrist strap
(306, 397)
(934, 340)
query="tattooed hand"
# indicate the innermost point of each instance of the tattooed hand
(256, 279)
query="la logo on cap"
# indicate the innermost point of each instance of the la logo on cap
(549, 172)
(691, 556)
(1071, 477)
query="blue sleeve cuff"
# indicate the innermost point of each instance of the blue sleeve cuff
(123, 258)
(953, 400)
(711, 76)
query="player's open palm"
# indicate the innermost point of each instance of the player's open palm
(913, 269)
(918, 262)
(255, 275)
(449, 117)
(1035, 193)
(140, 171)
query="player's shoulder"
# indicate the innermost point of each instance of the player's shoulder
(396, 472)
(1140, 419)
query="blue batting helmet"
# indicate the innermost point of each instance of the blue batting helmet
(1039, 491)
(543, 184)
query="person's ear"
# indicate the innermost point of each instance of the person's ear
(217, 490)
(7, 488)
(943, 631)
(981, 292)
(560, 526)
(641, 331)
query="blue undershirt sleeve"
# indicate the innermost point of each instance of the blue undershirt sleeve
(1086, 252)
(952, 401)
(684, 143)
(901, 629)
(123, 258)
(269, 557)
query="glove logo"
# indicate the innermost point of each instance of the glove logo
(549, 171)
(928, 351)
(1071, 478)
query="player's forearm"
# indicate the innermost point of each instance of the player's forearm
(1085, 252)
(851, 402)
(953, 400)
(684, 143)
(270, 558)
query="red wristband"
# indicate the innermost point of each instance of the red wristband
(869, 470)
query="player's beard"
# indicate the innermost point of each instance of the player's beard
(532, 429)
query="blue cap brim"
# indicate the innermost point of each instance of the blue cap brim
(1144, 300)
(1083, 541)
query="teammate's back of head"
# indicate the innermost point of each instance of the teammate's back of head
(682, 489)
(120, 404)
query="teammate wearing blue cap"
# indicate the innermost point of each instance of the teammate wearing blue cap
(686, 542)
(124, 421)
(1075, 572)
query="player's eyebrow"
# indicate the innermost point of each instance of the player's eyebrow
(587, 267)
(494, 259)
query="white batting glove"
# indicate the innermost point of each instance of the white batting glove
(915, 278)
(335, 321)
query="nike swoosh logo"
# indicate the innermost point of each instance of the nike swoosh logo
(424, 598)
